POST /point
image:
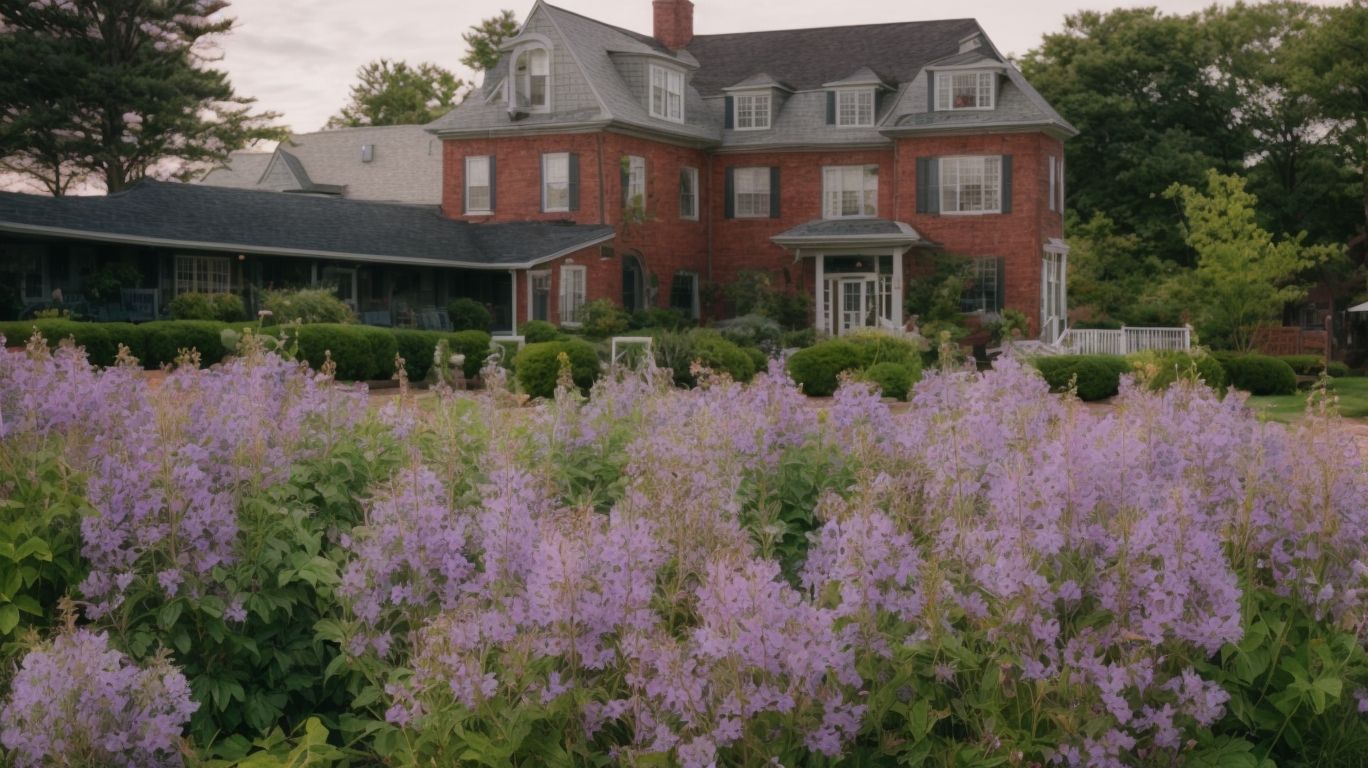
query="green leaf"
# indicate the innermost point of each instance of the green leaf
(169, 613)
(28, 604)
(9, 618)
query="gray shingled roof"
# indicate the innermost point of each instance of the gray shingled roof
(243, 170)
(849, 231)
(250, 221)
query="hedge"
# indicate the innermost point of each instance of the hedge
(816, 368)
(417, 348)
(99, 344)
(1312, 365)
(224, 307)
(1161, 369)
(537, 366)
(893, 379)
(1098, 376)
(1259, 374)
(164, 339)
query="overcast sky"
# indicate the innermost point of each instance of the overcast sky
(299, 57)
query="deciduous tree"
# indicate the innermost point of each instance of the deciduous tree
(483, 39)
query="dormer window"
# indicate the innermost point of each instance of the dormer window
(965, 90)
(855, 107)
(667, 94)
(531, 76)
(752, 111)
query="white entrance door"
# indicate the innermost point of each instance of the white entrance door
(1053, 297)
(857, 309)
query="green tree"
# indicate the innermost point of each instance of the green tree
(483, 40)
(112, 91)
(393, 93)
(1243, 277)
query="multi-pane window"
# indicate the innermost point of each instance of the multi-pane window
(571, 294)
(667, 93)
(477, 184)
(855, 107)
(971, 184)
(531, 71)
(965, 90)
(539, 298)
(556, 182)
(752, 111)
(752, 192)
(850, 191)
(684, 293)
(202, 274)
(688, 193)
(634, 191)
(981, 289)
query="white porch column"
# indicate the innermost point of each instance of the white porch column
(513, 277)
(819, 321)
(898, 318)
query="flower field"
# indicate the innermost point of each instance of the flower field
(251, 566)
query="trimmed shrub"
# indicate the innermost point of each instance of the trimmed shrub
(722, 355)
(308, 305)
(361, 352)
(752, 331)
(659, 317)
(759, 359)
(129, 335)
(800, 339)
(1338, 370)
(165, 338)
(1160, 369)
(100, 347)
(876, 347)
(815, 369)
(224, 307)
(539, 332)
(418, 347)
(893, 379)
(1312, 365)
(602, 318)
(537, 366)
(469, 315)
(1098, 376)
(1259, 374)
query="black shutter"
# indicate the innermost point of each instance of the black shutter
(878, 100)
(626, 179)
(541, 191)
(831, 107)
(574, 181)
(774, 192)
(492, 185)
(1000, 300)
(928, 185)
(930, 91)
(1006, 183)
(730, 190)
(728, 120)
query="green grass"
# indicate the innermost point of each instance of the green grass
(1353, 401)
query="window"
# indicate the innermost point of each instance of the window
(971, 184)
(556, 182)
(667, 94)
(684, 293)
(855, 107)
(982, 289)
(965, 90)
(752, 191)
(1061, 185)
(531, 71)
(202, 274)
(571, 294)
(1051, 160)
(634, 188)
(688, 193)
(478, 185)
(752, 111)
(850, 190)
(539, 296)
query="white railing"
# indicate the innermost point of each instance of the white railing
(1097, 341)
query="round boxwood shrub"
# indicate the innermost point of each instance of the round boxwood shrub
(1260, 374)
(469, 315)
(815, 369)
(361, 352)
(164, 339)
(722, 355)
(1161, 369)
(602, 318)
(877, 347)
(751, 331)
(539, 331)
(224, 307)
(307, 305)
(537, 366)
(418, 347)
(893, 380)
(759, 359)
(1098, 376)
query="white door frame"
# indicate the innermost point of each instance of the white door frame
(1054, 301)
(825, 318)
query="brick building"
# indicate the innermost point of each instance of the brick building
(832, 159)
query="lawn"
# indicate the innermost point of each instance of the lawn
(1353, 401)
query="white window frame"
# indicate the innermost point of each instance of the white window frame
(854, 116)
(984, 86)
(534, 277)
(983, 285)
(636, 184)
(987, 169)
(203, 274)
(668, 85)
(573, 279)
(472, 164)
(748, 182)
(559, 164)
(692, 196)
(695, 308)
(521, 84)
(864, 181)
(757, 111)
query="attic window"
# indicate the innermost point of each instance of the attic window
(667, 94)
(752, 111)
(531, 71)
(855, 107)
(965, 90)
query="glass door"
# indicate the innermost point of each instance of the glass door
(344, 278)
(858, 303)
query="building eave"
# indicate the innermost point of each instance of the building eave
(1052, 129)
(521, 130)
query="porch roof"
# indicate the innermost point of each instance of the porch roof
(192, 216)
(835, 233)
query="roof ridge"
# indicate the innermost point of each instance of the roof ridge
(841, 26)
(642, 36)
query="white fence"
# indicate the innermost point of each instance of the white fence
(1096, 341)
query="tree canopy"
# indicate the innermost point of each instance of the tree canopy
(394, 93)
(483, 39)
(112, 91)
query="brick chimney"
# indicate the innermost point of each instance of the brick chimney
(673, 23)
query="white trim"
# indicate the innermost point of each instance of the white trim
(838, 171)
(545, 181)
(692, 173)
(512, 81)
(465, 184)
(736, 110)
(561, 314)
(763, 172)
(667, 75)
(948, 90)
(941, 186)
(854, 92)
